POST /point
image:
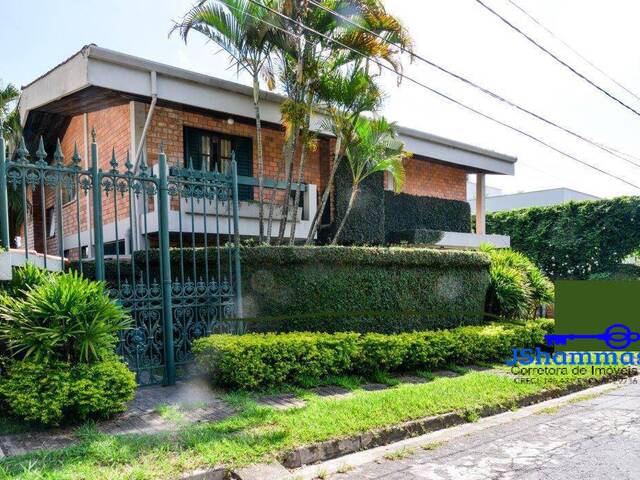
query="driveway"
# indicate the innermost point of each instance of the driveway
(597, 438)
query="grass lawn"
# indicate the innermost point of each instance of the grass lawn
(259, 433)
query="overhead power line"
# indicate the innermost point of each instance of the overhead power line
(610, 150)
(445, 96)
(559, 60)
(589, 62)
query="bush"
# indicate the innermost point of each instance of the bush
(378, 214)
(363, 289)
(49, 393)
(415, 212)
(575, 239)
(255, 361)
(517, 287)
(67, 318)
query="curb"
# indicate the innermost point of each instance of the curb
(303, 462)
(331, 449)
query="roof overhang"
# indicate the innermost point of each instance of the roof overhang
(106, 70)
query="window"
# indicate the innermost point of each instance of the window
(110, 248)
(210, 150)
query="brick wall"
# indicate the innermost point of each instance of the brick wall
(167, 125)
(434, 180)
(113, 132)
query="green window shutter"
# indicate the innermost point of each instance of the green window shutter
(243, 148)
(192, 143)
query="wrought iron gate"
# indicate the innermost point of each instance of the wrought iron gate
(165, 241)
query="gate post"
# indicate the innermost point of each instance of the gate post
(165, 271)
(98, 250)
(4, 203)
(236, 228)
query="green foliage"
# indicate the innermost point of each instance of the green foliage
(67, 318)
(24, 279)
(575, 239)
(517, 287)
(620, 272)
(413, 212)
(415, 237)
(363, 289)
(255, 361)
(50, 393)
(366, 221)
(378, 215)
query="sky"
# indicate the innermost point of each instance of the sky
(460, 35)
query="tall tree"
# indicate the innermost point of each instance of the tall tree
(244, 30)
(329, 40)
(345, 97)
(374, 147)
(11, 131)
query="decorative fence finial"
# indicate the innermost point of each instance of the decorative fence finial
(22, 151)
(75, 159)
(58, 157)
(113, 162)
(41, 154)
(93, 134)
(127, 164)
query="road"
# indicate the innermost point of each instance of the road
(597, 438)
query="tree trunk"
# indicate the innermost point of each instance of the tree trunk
(354, 192)
(256, 104)
(296, 198)
(325, 195)
(289, 161)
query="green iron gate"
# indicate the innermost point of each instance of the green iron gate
(165, 241)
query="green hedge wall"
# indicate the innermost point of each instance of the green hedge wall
(575, 239)
(363, 288)
(411, 212)
(378, 214)
(350, 288)
(270, 360)
(365, 224)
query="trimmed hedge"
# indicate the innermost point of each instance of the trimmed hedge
(350, 288)
(575, 239)
(366, 222)
(257, 361)
(50, 393)
(415, 237)
(378, 213)
(413, 212)
(363, 289)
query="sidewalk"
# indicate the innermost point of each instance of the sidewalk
(593, 437)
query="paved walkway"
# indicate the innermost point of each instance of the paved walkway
(155, 409)
(596, 439)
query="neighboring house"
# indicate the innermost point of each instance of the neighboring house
(539, 198)
(131, 102)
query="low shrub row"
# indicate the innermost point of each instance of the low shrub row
(255, 361)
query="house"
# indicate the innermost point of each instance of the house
(499, 202)
(134, 105)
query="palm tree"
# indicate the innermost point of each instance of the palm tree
(332, 41)
(11, 132)
(374, 147)
(345, 97)
(244, 30)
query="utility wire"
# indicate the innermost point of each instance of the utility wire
(445, 96)
(558, 59)
(550, 32)
(612, 151)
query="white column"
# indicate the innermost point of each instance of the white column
(480, 204)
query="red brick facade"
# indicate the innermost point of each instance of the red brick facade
(113, 126)
(431, 179)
